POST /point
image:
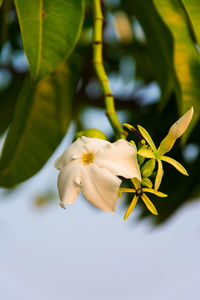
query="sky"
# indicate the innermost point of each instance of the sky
(84, 253)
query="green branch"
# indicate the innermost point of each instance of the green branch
(101, 73)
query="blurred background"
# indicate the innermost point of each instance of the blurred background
(81, 252)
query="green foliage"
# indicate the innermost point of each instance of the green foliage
(8, 99)
(192, 9)
(41, 120)
(159, 43)
(50, 30)
(186, 56)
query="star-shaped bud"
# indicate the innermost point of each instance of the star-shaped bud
(139, 191)
(175, 131)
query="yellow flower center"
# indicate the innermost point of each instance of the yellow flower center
(87, 158)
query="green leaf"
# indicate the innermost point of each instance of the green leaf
(193, 10)
(8, 99)
(50, 30)
(186, 57)
(159, 42)
(41, 120)
(5, 6)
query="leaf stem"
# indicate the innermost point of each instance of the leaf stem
(101, 73)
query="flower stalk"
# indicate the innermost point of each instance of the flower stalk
(101, 73)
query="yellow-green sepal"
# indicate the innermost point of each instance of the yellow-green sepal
(159, 175)
(131, 207)
(157, 193)
(147, 137)
(149, 204)
(147, 153)
(136, 183)
(130, 127)
(175, 164)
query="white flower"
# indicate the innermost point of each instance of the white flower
(90, 166)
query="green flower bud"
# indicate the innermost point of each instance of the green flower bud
(147, 182)
(91, 132)
(148, 168)
(140, 158)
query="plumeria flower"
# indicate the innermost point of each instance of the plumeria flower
(91, 166)
(140, 191)
(175, 131)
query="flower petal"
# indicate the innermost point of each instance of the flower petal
(78, 148)
(94, 144)
(120, 158)
(175, 131)
(159, 175)
(136, 183)
(146, 153)
(157, 193)
(127, 190)
(100, 187)
(69, 182)
(147, 137)
(75, 150)
(149, 204)
(131, 207)
(175, 164)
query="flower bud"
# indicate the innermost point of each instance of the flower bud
(92, 133)
(140, 158)
(175, 131)
(148, 168)
(147, 182)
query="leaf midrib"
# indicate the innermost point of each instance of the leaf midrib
(39, 59)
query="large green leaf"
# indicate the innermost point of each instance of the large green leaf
(193, 10)
(41, 120)
(4, 23)
(186, 57)
(50, 29)
(8, 99)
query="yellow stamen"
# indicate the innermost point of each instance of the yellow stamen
(87, 158)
